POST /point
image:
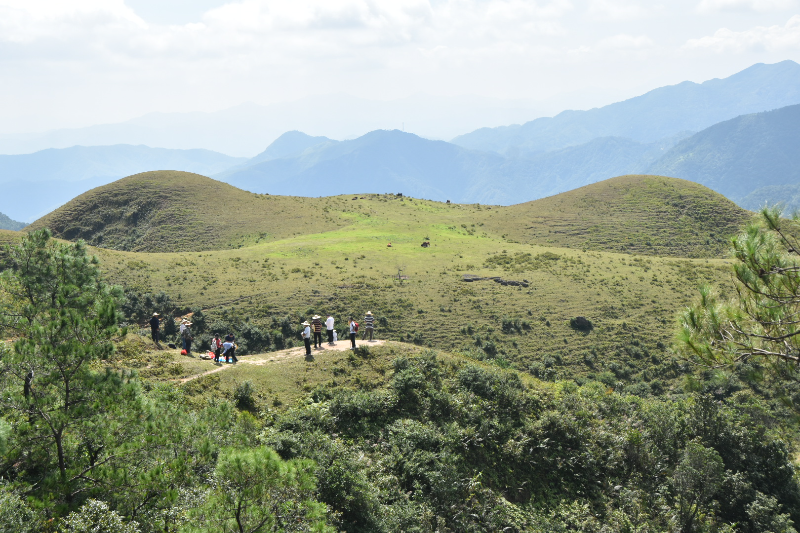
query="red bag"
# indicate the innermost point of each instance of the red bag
(184, 352)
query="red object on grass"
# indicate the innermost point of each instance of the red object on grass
(184, 352)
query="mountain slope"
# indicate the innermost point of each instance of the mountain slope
(652, 215)
(169, 211)
(740, 155)
(657, 114)
(62, 174)
(383, 161)
(8, 224)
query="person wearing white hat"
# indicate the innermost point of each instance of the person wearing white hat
(369, 326)
(316, 325)
(187, 338)
(155, 324)
(306, 334)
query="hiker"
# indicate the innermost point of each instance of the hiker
(155, 324)
(329, 326)
(316, 325)
(187, 338)
(180, 332)
(229, 351)
(216, 347)
(306, 334)
(353, 333)
(369, 326)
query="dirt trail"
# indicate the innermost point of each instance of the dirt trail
(281, 356)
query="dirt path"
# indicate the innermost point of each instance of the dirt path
(282, 356)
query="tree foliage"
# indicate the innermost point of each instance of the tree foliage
(762, 322)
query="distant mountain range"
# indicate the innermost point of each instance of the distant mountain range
(735, 158)
(741, 156)
(651, 134)
(658, 114)
(35, 184)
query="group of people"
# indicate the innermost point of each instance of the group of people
(225, 348)
(220, 348)
(313, 330)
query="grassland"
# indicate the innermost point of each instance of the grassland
(650, 215)
(179, 211)
(630, 299)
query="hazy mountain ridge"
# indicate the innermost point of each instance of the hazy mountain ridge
(738, 156)
(34, 184)
(660, 113)
(8, 224)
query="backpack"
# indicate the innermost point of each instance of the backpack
(355, 327)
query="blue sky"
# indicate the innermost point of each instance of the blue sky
(69, 63)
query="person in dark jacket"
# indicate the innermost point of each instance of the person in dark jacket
(188, 338)
(155, 325)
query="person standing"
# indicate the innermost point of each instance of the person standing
(180, 332)
(329, 325)
(187, 338)
(155, 324)
(353, 332)
(306, 334)
(316, 325)
(229, 348)
(216, 347)
(369, 326)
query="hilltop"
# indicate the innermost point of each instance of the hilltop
(176, 211)
(168, 211)
(651, 215)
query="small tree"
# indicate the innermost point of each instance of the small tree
(762, 323)
(255, 491)
(63, 316)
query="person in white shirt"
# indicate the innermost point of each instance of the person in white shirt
(353, 332)
(307, 337)
(329, 325)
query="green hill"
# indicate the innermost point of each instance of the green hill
(166, 211)
(650, 215)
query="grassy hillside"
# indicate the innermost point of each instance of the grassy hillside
(650, 215)
(176, 211)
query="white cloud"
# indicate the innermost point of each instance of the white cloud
(715, 6)
(769, 38)
(616, 10)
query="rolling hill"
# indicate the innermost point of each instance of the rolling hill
(651, 215)
(738, 156)
(58, 175)
(167, 211)
(660, 113)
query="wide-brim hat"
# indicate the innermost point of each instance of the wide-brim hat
(315, 317)
(369, 313)
(305, 323)
(188, 323)
(156, 314)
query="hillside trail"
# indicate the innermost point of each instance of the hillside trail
(281, 356)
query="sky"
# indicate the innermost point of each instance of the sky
(74, 63)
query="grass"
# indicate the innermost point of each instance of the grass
(344, 267)
(650, 215)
